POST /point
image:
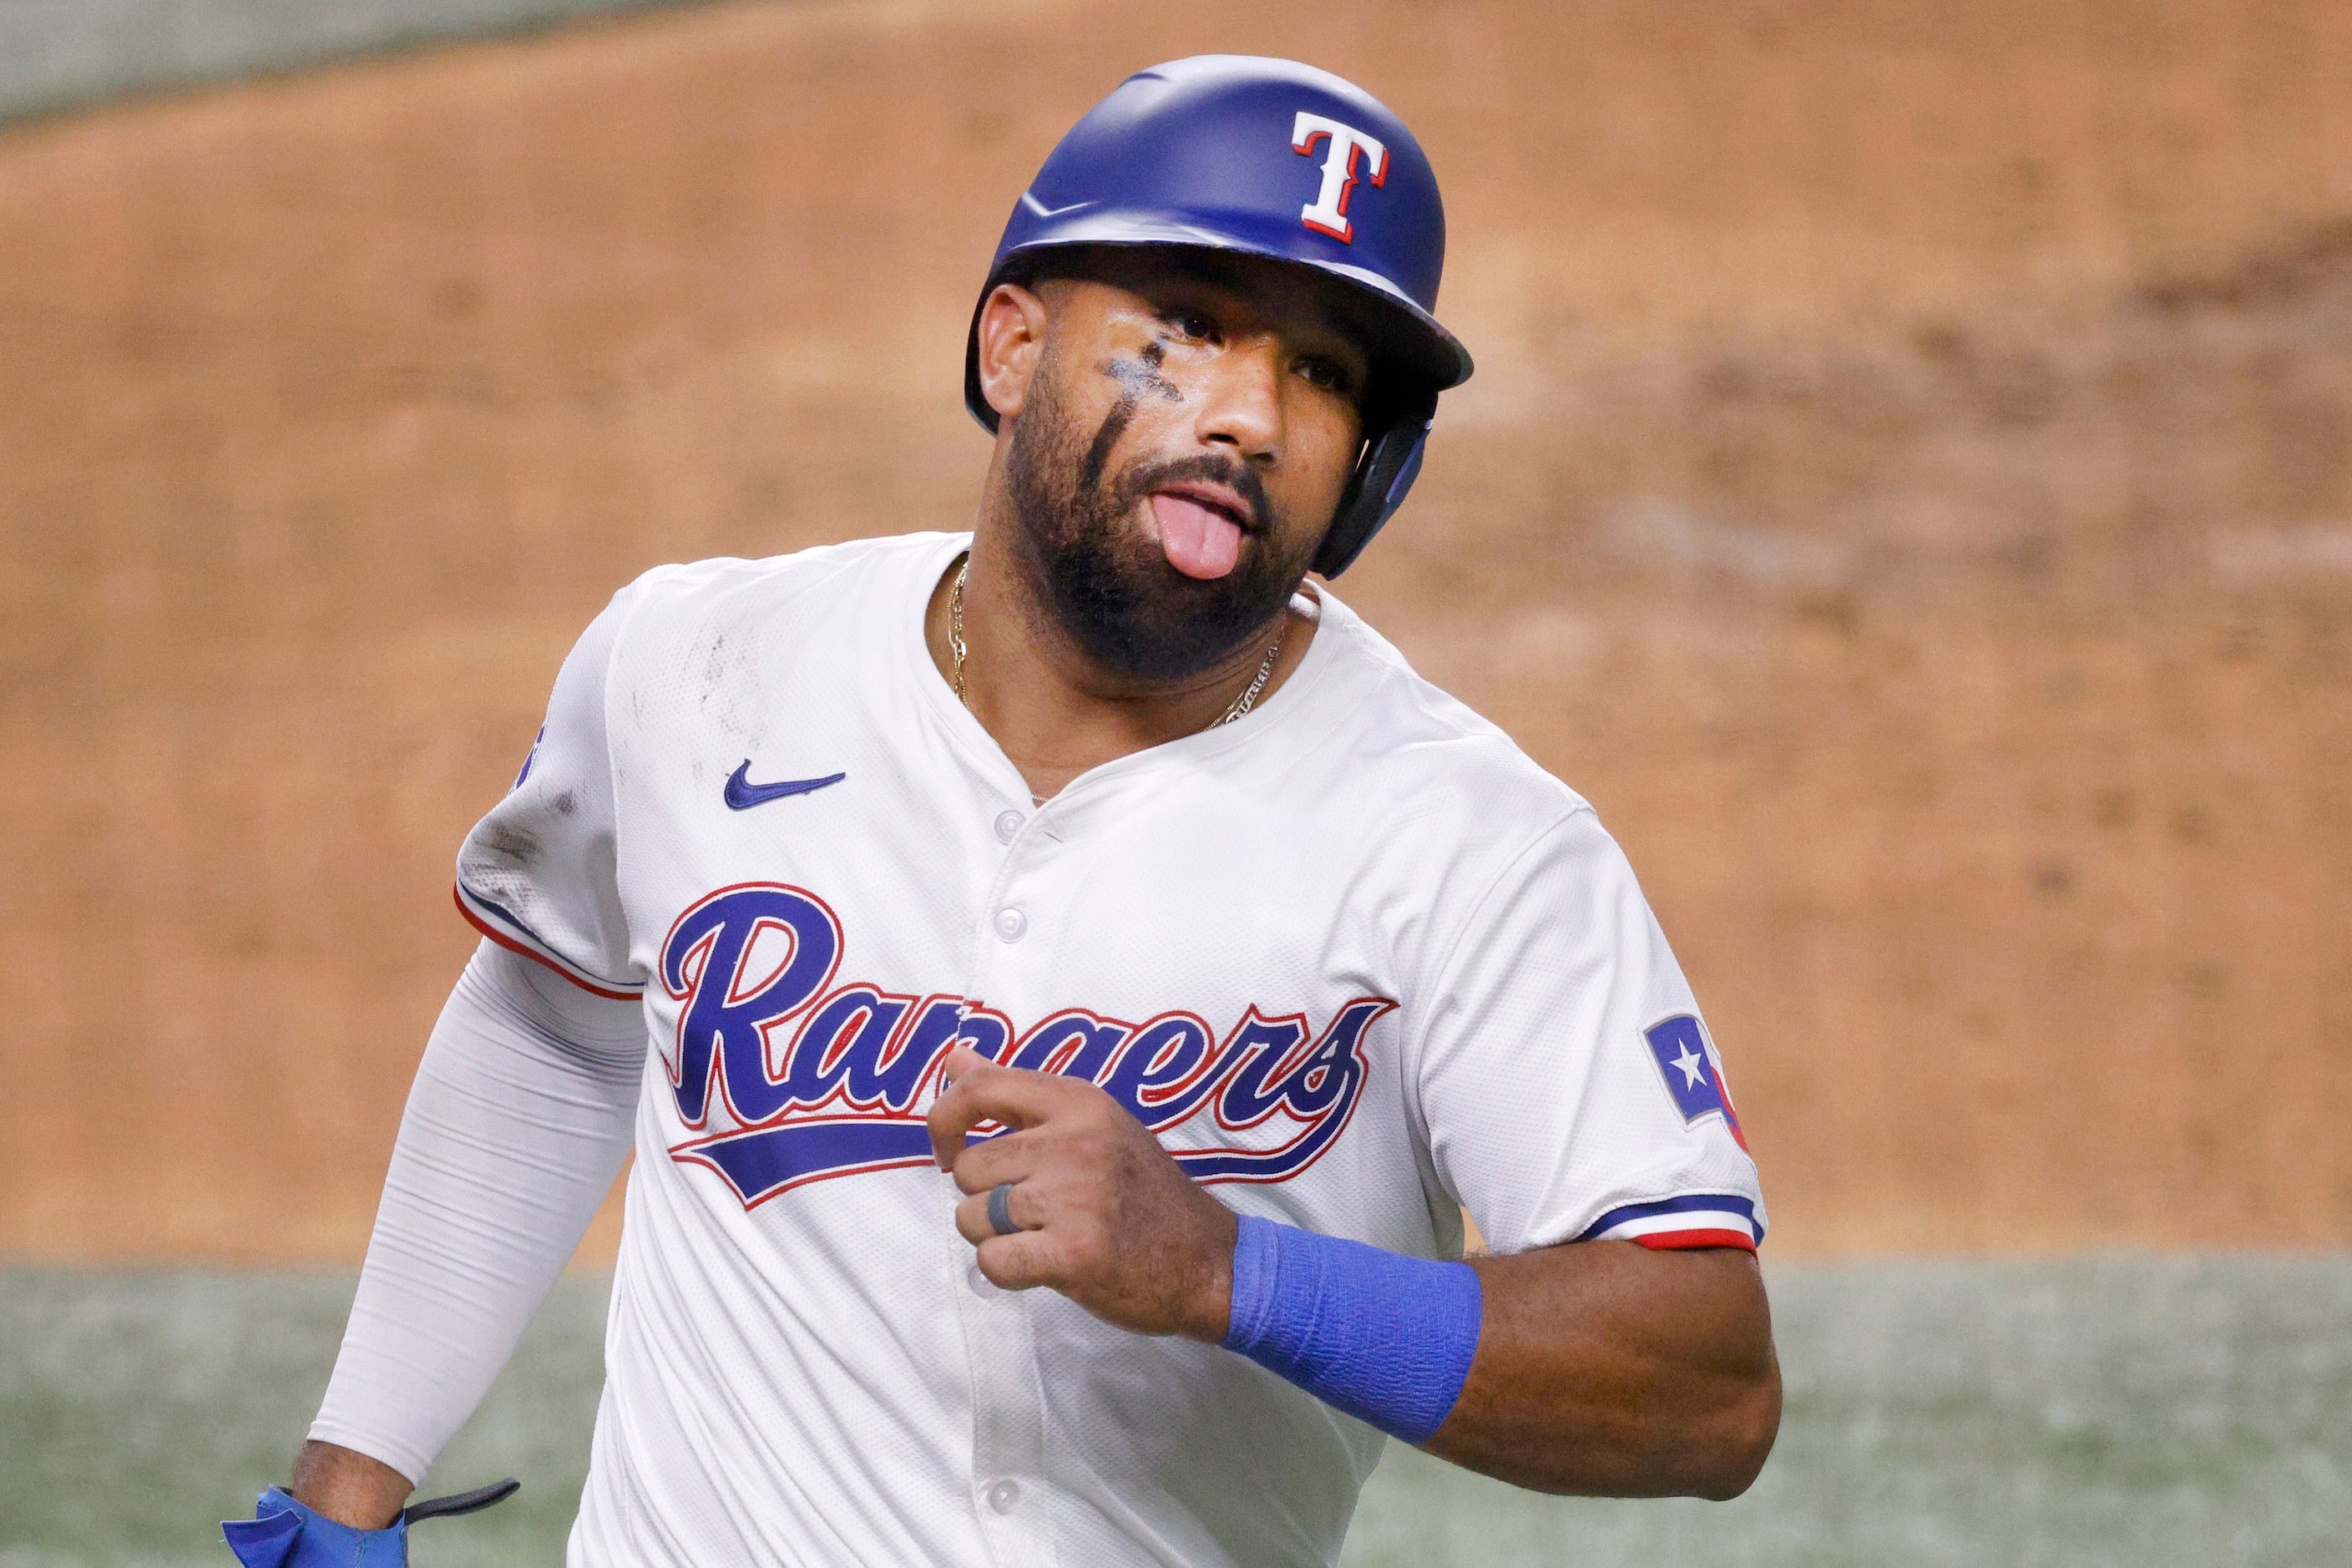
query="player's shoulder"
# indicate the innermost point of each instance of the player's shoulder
(826, 593)
(1428, 747)
(839, 571)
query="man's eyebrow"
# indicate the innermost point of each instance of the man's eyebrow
(1322, 311)
(1348, 334)
(1332, 321)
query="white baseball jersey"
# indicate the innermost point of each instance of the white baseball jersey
(1354, 958)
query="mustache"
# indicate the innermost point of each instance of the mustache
(1209, 467)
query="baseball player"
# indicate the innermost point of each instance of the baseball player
(1063, 983)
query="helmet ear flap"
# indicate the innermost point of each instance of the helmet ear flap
(1390, 462)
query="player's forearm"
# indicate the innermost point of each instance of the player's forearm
(1606, 1369)
(518, 1122)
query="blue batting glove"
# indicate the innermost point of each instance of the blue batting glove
(285, 1532)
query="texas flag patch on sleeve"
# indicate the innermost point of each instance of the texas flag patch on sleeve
(1687, 1067)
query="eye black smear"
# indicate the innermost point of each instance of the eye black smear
(1134, 379)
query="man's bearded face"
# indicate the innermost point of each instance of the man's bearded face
(1093, 562)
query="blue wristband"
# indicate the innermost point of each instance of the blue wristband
(1384, 1337)
(285, 1533)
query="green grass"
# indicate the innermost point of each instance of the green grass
(2107, 1410)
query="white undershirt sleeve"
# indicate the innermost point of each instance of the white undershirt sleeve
(518, 1120)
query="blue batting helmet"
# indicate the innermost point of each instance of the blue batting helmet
(1276, 159)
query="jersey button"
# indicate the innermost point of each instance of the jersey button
(1008, 823)
(1010, 923)
(1004, 1496)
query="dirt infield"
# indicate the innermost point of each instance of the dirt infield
(1908, 487)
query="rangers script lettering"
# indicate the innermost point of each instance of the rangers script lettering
(844, 1095)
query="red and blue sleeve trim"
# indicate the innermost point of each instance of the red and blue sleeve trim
(499, 923)
(1693, 1219)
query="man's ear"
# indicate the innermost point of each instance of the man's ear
(1011, 341)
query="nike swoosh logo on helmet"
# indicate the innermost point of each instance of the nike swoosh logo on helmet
(1039, 209)
(743, 794)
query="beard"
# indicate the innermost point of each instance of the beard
(1105, 582)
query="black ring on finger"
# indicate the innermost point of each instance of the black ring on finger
(1000, 1209)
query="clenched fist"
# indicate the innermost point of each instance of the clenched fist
(1105, 1217)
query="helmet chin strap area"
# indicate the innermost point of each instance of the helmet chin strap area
(1385, 472)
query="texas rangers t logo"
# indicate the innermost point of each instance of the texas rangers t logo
(1327, 213)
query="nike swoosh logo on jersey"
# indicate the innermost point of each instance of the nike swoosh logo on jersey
(743, 794)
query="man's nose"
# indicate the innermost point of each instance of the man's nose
(1241, 402)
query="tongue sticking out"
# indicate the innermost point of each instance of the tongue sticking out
(1199, 543)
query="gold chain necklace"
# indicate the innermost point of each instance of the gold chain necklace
(1233, 709)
